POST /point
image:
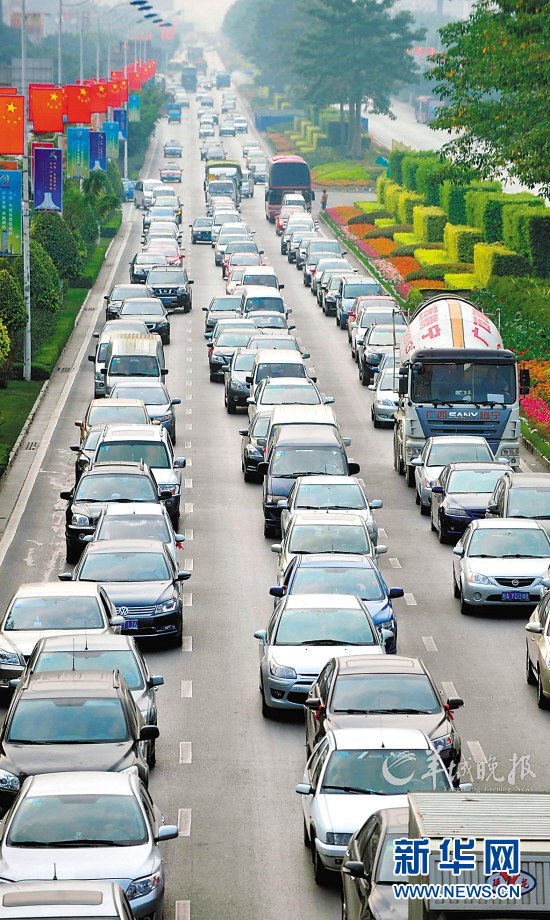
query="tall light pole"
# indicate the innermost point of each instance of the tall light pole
(59, 45)
(27, 340)
(125, 106)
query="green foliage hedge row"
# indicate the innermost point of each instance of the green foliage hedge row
(409, 248)
(387, 232)
(527, 231)
(460, 241)
(429, 223)
(438, 272)
(484, 210)
(370, 217)
(406, 204)
(493, 259)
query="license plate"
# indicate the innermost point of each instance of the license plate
(515, 595)
(130, 624)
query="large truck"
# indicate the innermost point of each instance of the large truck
(482, 816)
(189, 77)
(456, 378)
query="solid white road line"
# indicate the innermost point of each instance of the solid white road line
(188, 535)
(184, 822)
(429, 643)
(183, 910)
(477, 751)
(186, 689)
(186, 752)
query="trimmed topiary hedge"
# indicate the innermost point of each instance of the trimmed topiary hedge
(460, 241)
(409, 248)
(527, 231)
(437, 272)
(429, 223)
(484, 210)
(370, 216)
(396, 158)
(387, 232)
(495, 260)
(406, 203)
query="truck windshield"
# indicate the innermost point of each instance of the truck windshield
(465, 383)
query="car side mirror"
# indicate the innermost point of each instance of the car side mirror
(277, 591)
(149, 732)
(545, 582)
(393, 593)
(116, 621)
(534, 627)
(417, 461)
(492, 508)
(248, 379)
(353, 468)
(175, 402)
(402, 386)
(354, 868)
(262, 468)
(179, 537)
(454, 702)
(88, 538)
(371, 387)
(250, 401)
(180, 463)
(75, 448)
(277, 548)
(243, 432)
(290, 328)
(346, 442)
(164, 371)
(167, 832)
(312, 702)
(375, 504)
(66, 496)
(304, 788)
(91, 358)
(261, 634)
(183, 575)
(78, 422)
(328, 400)
(281, 286)
(205, 309)
(157, 680)
(261, 442)
(458, 550)
(305, 355)
(65, 576)
(380, 549)
(437, 489)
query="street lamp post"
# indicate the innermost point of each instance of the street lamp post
(59, 44)
(27, 340)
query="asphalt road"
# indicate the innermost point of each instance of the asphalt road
(223, 773)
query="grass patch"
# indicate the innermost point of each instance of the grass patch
(16, 401)
(342, 173)
(92, 266)
(46, 358)
(534, 438)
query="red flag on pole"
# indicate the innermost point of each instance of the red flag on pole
(78, 104)
(12, 140)
(46, 108)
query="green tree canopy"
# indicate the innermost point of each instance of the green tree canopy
(55, 236)
(494, 74)
(45, 283)
(12, 307)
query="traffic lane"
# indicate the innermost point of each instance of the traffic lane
(425, 572)
(238, 791)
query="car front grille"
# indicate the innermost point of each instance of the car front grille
(294, 697)
(514, 582)
(165, 290)
(129, 612)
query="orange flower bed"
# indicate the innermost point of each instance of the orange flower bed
(346, 211)
(540, 377)
(422, 283)
(360, 229)
(404, 264)
(382, 245)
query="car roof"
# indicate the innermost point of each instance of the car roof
(92, 642)
(134, 432)
(84, 783)
(304, 433)
(260, 290)
(291, 415)
(278, 356)
(289, 381)
(528, 480)
(456, 438)
(130, 546)
(507, 524)
(263, 270)
(131, 509)
(386, 664)
(375, 738)
(128, 467)
(474, 465)
(395, 819)
(77, 683)
(336, 560)
(118, 403)
(64, 898)
(326, 480)
(322, 516)
(324, 601)
(58, 589)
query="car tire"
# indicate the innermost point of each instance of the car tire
(213, 378)
(456, 590)
(72, 555)
(424, 509)
(343, 324)
(267, 711)
(375, 422)
(410, 478)
(344, 909)
(529, 675)
(270, 530)
(320, 874)
(542, 701)
(432, 525)
(231, 407)
(248, 477)
(465, 608)
(417, 497)
(441, 535)
(307, 842)
(152, 759)
(174, 440)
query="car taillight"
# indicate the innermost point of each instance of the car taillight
(210, 350)
(312, 271)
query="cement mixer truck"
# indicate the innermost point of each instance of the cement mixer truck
(455, 378)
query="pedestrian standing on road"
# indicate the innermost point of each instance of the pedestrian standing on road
(324, 199)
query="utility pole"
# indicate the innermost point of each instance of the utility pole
(27, 340)
(125, 106)
(59, 44)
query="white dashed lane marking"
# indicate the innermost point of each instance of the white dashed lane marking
(477, 751)
(449, 689)
(188, 508)
(188, 483)
(394, 562)
(382, 533)
(186, 752)
(410, 599)
(186, 689)
(187, 644)
(188, 535)
(183, 910)
(184, 822)
(429, 643)
(187, 598)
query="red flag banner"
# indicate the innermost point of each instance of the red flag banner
(12, 140)
(46, 108)
(124, 90)
(78, 104)
(113, 94)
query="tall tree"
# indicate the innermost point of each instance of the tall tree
(494, 74)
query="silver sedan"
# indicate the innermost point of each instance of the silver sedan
(386, 398)
(500, 562)
(331, 493)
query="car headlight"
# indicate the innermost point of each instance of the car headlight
(510, 451)
(271, 499)
(9, 782)
(281, 671)
(386, 402)
(164, 418)
(251, 451)
(476, 579)
(171, 487)
(9, 657)
(239, 385)
(143, 886)
(99, 378)
(80, 520)
(168, 606)
(387, 624)
(457, 512)
(443, 743)
(217, 359)
(338, 840)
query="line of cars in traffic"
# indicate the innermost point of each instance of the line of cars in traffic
(79, 738)
(332, 635)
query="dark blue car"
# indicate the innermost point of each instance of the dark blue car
(461, 495)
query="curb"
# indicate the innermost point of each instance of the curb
(533, 450)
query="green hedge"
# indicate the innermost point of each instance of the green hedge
(47, 356)
(438, 272)
(452, 199)
(92, 267)
(410, 166)
(392, 191)
(531, 296)
(527, 231)
(494, 259)
(367, 207)
(387, 232)
(484, 210)
(409, 248)
(429, 177)
(429, 223)
(396, 158)
(460, 241)
(406, 203)
(111, 226)
(370, 217)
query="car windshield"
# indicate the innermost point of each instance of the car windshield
(232, 339)
(142, 308)
(123, 292)
(380, 317)
(159, 212)
(405, 693)
(261, 281)
(384, 772)
(442, 454)
(112, 488)
(270, 322)
(385, 337)
(465, 383)
(308, 461)
(358, 289)
(348, 497)
(122, 660)
(203, 222)
(260, 426)
(245, 258)
(342, 626)
(290, 396)
(121, 566)
(504, 543)
(285, 342)
(151, 396)
(146, 259)
(91, 439)
(533, 502)
(388, 381)
(325, 246)
(328, 538)
(73, 720)
(77, 821)
(220, 304)
(243, 363)
(44, 613)
(282, 369)
(134, 366)
(361, 581)
(264, 303)
(241, 246)
(465, 481)
(117, 415)
(134, 527)
(157, 276)
(153, 453)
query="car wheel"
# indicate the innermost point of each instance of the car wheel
(320, 874)
(353, 355)
(456, 590)
(442, 536)
(343, 324)
(417, 497)
(410, 476)
(167, 340)
(174, 439)
(542, 701)
(529, 676)
(306, 836)
(193, 242)
(212, 378)
(424, 509)
(72, 555)
(152, 759)
(344, 909)
(432, 525)
(375, 422)
(248, 477)
(270, 530)
(177, 641)
(231, 407)
(465, 608)
(267, 711)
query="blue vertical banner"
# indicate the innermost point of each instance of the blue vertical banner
(78, 153)
(111, 135)
(11, 212)
(121, 118)
(48, 179)
(134, 107)
(98, 150)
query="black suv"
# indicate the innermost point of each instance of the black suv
(173, 286)
(66, 721)
(97, 486)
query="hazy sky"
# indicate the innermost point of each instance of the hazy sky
(206, 14)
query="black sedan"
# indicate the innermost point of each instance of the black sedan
(173, 149)
(237, 390)
(461, 495)
(220, 354)
(172, 286)
(201, 230)
(151, 310)
(142, 582)
(253, 444)
(118, 294)
(142, 263)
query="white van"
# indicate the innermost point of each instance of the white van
(143, 192)
(299, 415)
(113, 327)
(259, 298)
(273, 362)
(132, 356)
